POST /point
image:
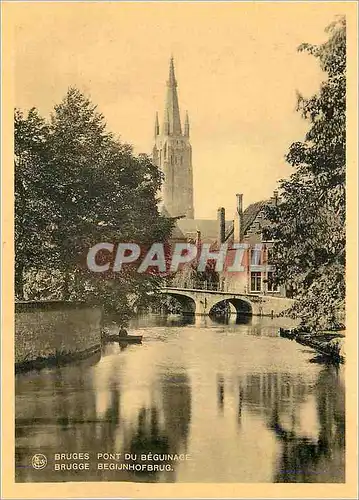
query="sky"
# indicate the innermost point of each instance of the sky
(237, 67)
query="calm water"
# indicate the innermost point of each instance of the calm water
(230, 403)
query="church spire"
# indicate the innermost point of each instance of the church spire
(186, 125)
(166, 123)
(157, 126)
(172, 153)
(171, 107)
(172, 79)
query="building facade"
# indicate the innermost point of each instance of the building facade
(172, 153)
(248, 227)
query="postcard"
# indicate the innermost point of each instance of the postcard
(179, 186)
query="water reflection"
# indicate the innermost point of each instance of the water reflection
(245, 405)
(220, 393)
(164, 432)
(164, 320)
(233, 319)
(314, 458)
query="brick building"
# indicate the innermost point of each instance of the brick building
(172, 153)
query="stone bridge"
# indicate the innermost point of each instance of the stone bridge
(198, 301)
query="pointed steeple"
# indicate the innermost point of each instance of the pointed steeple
(172, 153)
(172, 79)
(186, 125)
(166, 123)
(157, 126)
(171, 106)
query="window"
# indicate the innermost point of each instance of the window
(272, 287)
(256, 255)
(256, 281)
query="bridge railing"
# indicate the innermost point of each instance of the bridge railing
(210, 286)
(202, 285)
(207, 285)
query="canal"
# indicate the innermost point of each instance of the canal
(198, 401)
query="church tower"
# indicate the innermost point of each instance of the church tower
(172, 152)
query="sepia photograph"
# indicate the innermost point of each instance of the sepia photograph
(179, 201)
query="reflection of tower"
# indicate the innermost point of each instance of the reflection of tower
(163, 428)
(172, 152)
(220, 393)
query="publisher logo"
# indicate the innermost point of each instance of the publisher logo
(39, 461)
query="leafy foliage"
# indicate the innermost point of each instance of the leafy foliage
(309, 223)
(77, 185)
(31, 156)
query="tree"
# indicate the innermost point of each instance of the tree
(94, 190)
(309, 222)
(31, 156)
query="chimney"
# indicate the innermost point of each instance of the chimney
(221, 225)
(198, 238)
(238, 220)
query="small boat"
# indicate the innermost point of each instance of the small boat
(288, 334)
(134, 339)
(128, 339)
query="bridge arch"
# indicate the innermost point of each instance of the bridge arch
(201, 301)
(187, 303)
(240, 306)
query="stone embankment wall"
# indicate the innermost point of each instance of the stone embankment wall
(55, 332)
(268, 305)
